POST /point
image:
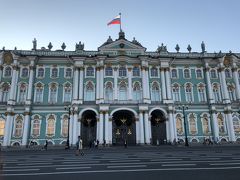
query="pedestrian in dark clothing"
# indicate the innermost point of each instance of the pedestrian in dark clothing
(46, 145)
(125, 143)
(97, 143)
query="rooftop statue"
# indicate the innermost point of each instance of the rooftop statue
(34, 44)
(134, 41)
(162, 48)
(177, 48)
(79, 46)
(189, 48)
(203, 47)
(50, 46)
(63, 46)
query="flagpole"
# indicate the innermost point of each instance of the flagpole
(120, 22)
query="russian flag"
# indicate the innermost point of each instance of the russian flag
(116, 20)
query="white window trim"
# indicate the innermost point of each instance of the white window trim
(94, 90)
(209, 123)
(62, 117)
(230, 73)
(201, 73)
(35, 92)
(105, 89)
(190, 75)
(49, 92)
(14, 127)
(140, 72)
(54, 132)
(53, 67)
(19, 86)
(65, 71)
(216, 72)
(195, 119)
(182, 120)
(94, 72)
(150, 74)
(4, 68)
(177, 73)
(37, 75)
(21, 70)
(179, 92)
(205, 96)
(40, 123)
(64, 92)
(219, 92)
(192, 94)
(105, 71)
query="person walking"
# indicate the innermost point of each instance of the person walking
(79, 146)
(46, 145)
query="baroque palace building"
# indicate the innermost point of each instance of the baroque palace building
(121, 92)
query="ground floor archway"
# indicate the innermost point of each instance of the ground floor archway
(123, 128)
(88, 127)
(158, 126)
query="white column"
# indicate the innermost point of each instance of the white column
(171, 127)
(98, 128)
(115, 84)
(174, 126)
(167, 130)
(163, 89)
(138, 135)
(101, 128)
(16, 86)
(209, 85)
(26, 129)
(144, 83)
(147, 138)
(8, 132)
(101, 84)
(215, 128)
(168, 84)
(235, 77)
(224, 85)
(71, 130)
(141, 127)
(81, 84)
(75, 134)
(13, 83)
(110, 130)
(1, 72)
(98, 84)
(147, 84)
(30, 85)
(106, 127)
(231, 132)
(150, 130)
(130, 84)
(75, 84)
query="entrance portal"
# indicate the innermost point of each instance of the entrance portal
(88, 127)
(158, 125)
(124, 128)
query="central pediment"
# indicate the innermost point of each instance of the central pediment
(122, 46)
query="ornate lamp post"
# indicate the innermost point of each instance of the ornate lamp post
(183, 108)
(70, 111)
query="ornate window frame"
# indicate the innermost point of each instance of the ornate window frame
(177, 74)
(189, 72)
(32, 123)
(4, 71)
(66, 71)
(203, 116)
(37, 73)
(54, 126)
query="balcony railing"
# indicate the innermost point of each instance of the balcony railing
(123, 101)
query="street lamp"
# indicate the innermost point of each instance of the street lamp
(70, 111)
(183, 108)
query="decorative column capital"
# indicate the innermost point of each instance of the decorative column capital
(76, 68)
(81, 68)
(144, 68)
(162, 69)
(234, 69)
(9, 113)
(220, 69)
(129, 68)
(26, 113)
(206, 69)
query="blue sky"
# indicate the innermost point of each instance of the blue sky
(152, 22)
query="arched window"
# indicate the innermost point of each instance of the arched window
(89, 92)
(231, 92)
(216, 92)
(68, 73)
(221, 124)
(136, 72)
(137, 91)
(188, 91)
(54, 72)
(122, 91)
(22, 93)
(174, 73)
(90, 72)
(51, 126)
(39, 93)
(227, 73)
(192, 124)
(213, 73)
(176, 92)
(236, 124)
(108, 71)
(179, 124)
(40, 73)
(2, 127)
(36, 126)
(186, 73)
(122, 72)
(199, 73)
(108, 91)
(67, 92)
(65, 126)
(201, 93)
(24, 72)
(8, 72)
(155, 92)
(205, 124)
(18, 126)
(53, 93)
(5, 91)
(154, 72)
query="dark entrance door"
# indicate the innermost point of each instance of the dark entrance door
(158, 125)
(88, 127)
(124, 128)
